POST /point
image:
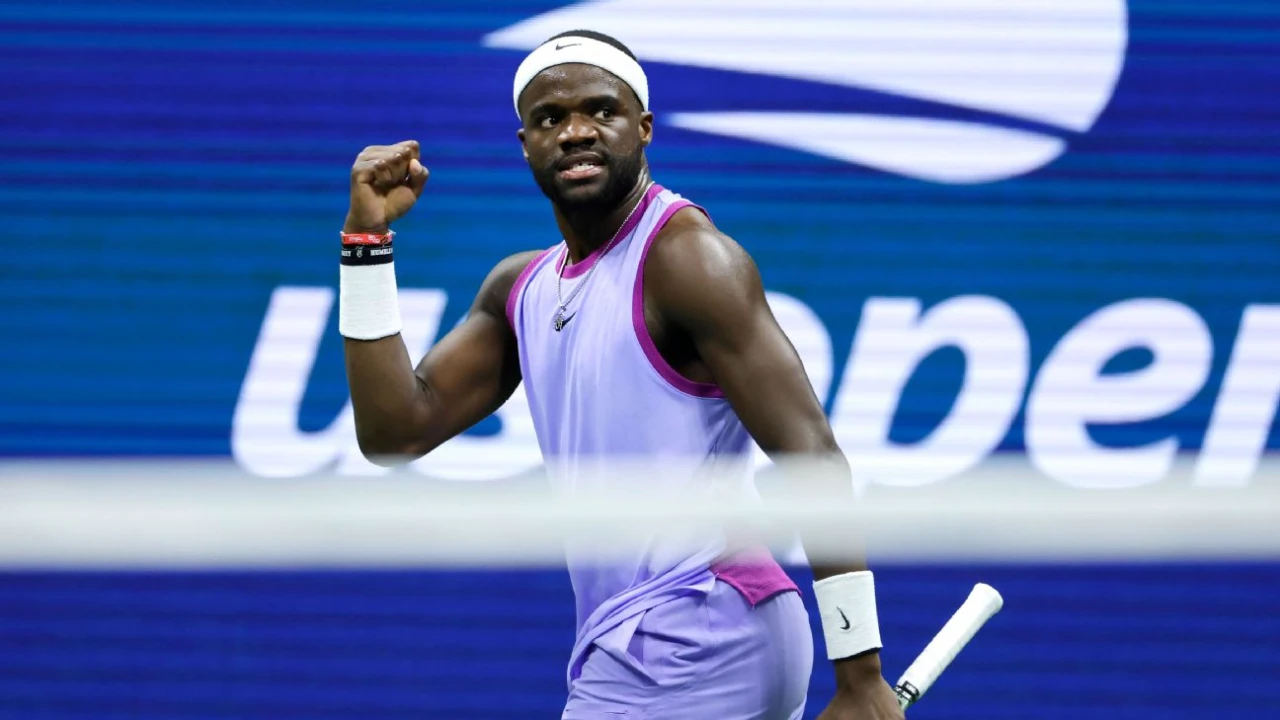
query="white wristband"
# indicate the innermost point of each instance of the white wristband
(368, 305)
(847, 608)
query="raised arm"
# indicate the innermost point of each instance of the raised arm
(402, 413)
(705, 286)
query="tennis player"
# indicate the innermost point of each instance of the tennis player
(645, 332)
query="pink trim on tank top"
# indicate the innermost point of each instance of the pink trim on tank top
(522, 279)
(755, 574)
(659, 363)
(585, 263)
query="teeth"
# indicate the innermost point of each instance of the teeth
(582, 166)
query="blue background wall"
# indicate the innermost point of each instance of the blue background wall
(164, 167)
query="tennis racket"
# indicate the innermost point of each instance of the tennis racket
(983, 602)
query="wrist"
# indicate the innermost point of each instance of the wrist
(352, 225)
(847, 610)
(368, 302)
(859, 671)
(352, 239)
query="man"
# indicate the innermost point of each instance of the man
(645, 332)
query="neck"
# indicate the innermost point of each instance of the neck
(585, 230)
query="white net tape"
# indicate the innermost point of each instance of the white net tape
(118, 515)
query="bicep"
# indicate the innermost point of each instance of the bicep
(474, 368)
(470, 372)
(718, 299)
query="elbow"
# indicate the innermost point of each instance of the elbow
(389, 452)
(386, 459)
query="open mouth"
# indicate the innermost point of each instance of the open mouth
(580, 167)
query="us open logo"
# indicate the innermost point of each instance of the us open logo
(993, 89)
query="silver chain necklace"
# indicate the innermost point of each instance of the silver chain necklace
(563, 302)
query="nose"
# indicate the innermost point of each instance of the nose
(577, 131)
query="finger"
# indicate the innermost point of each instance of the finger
(417, 177)
(403, 154)
(410, 147)
(384, 174)
(362, 172)
(369, 154)
(397, 161)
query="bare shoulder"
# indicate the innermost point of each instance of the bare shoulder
(692, 258)
(496, 288)
(510, 267)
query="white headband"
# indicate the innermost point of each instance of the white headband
(573, 49)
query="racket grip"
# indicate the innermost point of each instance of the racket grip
(982, 603)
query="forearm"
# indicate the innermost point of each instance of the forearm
(389, 401)
(386, 396)
(830, 481)
(828, 471)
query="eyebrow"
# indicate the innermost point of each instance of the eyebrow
(590, 101)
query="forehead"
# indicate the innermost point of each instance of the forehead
(562, 84)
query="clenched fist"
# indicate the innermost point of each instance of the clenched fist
(386, 181)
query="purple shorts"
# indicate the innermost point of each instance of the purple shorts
(698, 657)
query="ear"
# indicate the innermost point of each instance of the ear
(646, 129)
(524, 146)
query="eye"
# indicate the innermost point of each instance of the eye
(605, 113)
(546, 118)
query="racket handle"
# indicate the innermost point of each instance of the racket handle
(982, 603)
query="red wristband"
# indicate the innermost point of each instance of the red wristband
(368, 238)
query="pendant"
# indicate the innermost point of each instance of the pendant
(562, 319)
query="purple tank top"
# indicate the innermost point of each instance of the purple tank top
(599, 389)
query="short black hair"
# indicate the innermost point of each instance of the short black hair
(593, 35)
